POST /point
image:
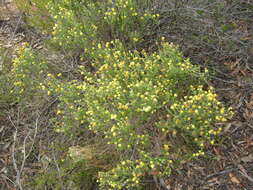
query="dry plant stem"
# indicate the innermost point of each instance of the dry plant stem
(7, 178)
(58, 168)
(246, 176)
(11, 38)
(244, 173)
(26, 153)
(160, 183)
(14, 160)
(219, 173)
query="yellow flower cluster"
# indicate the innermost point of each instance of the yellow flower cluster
(75, 29)
(27, 70)
(128, 173)
(198, 114)
(128, 88)
(131, 96)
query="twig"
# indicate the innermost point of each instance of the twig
(25, 153)
(11, 38)
(25, 156)
(219, 173)
(13, 157)
(7, 178)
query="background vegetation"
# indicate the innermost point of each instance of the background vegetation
(110, 102)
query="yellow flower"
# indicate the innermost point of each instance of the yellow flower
(135, 39)
(166, 147)
(142, 164)
(147, 109)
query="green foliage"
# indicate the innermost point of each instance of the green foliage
(21, 77)
(5, 84)
(71, 174)
(152, 107)
(36, 13)
(77, 168)
(5, 90)
(79, 24)
(28, 71)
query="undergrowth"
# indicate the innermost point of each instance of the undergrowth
(144, 113)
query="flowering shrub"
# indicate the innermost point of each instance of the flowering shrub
(152, 107)
(81, 24)
(28, 71)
